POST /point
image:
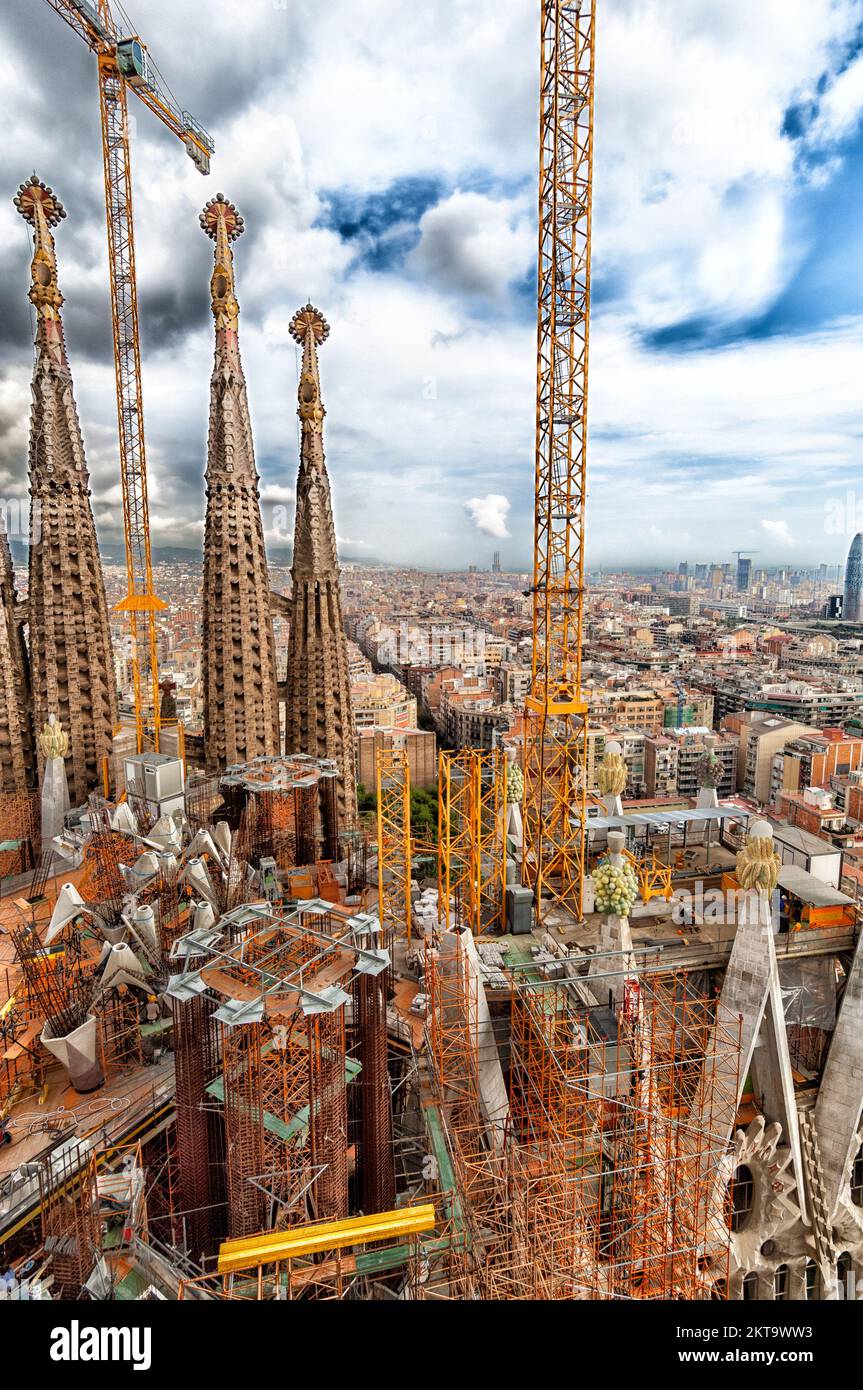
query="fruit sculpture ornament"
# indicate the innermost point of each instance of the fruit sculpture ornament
(758, 864)
(514, 783)
(615, 888)
(612, 771)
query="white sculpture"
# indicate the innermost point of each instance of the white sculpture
(54, 745)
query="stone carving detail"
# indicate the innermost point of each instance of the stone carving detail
(239, 661)
(71, 658)
(17, 753)
(53, 740)
(318, 713)
(770, 1232)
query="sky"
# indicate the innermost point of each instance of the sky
(383, 156)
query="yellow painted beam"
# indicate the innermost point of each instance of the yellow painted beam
(268, 1247)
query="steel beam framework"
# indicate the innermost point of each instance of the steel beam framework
(393, 786)
(555, 762)
(472, 839)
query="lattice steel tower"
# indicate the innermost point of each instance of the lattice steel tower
(556, 713)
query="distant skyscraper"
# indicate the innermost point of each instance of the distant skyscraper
(744, 575)
(852, 606)
(495, 564)
(683, 567)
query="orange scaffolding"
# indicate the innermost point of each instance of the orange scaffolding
(393, 786)
(607, 1184)
(472, 838)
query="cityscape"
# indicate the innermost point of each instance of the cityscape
(485, 930)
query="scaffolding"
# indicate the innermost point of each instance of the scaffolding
(362, 1257)
(288, 805)
(469, 1161)
(393, 785)
(328, 1113)
(606, 1186)
(20, 832)
(195, 1062)
(283, 979)
(120, 1030)
(70, 1223)
(472, 839)
(244, 1127)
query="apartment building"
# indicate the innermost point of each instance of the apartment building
(760, 740)
(382, 700)
(420, 745)
(672, 762)
(513, 682)
(814, 760)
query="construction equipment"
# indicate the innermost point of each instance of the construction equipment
(555, 740)
(654, 877)
(123, 61)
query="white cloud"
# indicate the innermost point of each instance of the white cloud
(841, 107)
(779, 531)
(692, 190)
(489, 514)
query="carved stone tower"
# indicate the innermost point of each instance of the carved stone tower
(71, 661)
(318, 714)
(17, 762)
(241, 717)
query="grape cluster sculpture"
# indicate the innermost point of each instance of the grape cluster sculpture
(615, 888)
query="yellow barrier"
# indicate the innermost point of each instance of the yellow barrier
(270, 1247)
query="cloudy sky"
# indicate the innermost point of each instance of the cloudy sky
(384, 158)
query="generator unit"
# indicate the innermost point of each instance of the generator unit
(519, 910)
(157, 780)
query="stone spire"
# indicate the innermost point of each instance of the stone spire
(318, 714)
(241, 716)
(71, 661)
(17, 763)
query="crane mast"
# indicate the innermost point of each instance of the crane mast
(123, 61)
(555, 739)
(140, 603)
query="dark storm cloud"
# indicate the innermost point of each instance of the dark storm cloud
(57, 128)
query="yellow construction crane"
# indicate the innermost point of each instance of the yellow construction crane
(555, 740)
(123, 61)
